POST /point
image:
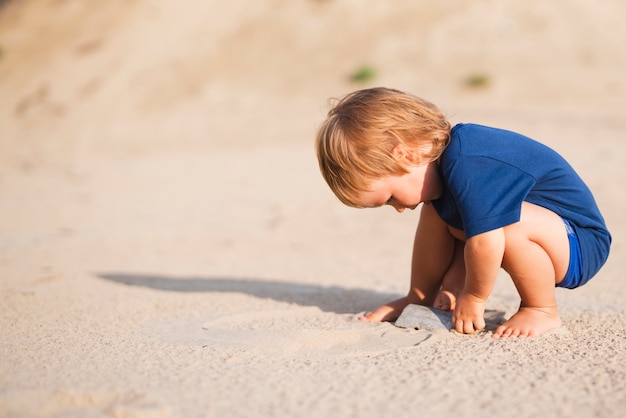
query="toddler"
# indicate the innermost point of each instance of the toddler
(491, 199)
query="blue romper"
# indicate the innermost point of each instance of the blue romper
(488, 173)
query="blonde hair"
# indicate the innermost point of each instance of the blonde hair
(359, 140)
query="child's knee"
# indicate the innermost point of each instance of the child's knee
(429, 211)
(430, 216)
(540, 232)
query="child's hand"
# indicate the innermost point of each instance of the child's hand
(388, 312)
(469, 314)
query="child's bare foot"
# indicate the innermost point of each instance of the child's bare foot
(445, 300)
(529, 322)
(387, 312)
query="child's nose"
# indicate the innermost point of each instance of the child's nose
(398, 207)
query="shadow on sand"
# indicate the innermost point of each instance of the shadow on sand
(329, 299)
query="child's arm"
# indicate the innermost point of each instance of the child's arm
(483, 258)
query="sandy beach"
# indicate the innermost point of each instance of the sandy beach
(168, 247)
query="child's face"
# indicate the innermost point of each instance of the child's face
(421, 184)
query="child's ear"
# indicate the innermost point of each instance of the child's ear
(404, 155)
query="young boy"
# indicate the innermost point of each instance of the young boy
(492, 199)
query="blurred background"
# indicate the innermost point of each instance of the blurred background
(178, 136)
(109, 78)
(157, 173)
(167, 136)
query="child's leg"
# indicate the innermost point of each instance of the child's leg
(536, 256)
(453, 281)
(433, 251)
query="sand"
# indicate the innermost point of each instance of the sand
(169, 249)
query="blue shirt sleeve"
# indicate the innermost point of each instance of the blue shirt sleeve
(488, 193)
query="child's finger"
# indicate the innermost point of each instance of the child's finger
(468, 327)
(480, 325)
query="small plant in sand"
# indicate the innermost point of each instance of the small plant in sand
(363, 74)
(477, 80)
